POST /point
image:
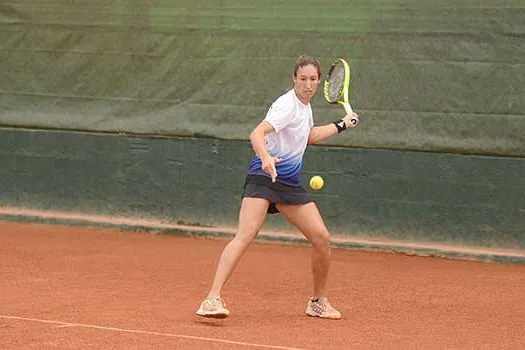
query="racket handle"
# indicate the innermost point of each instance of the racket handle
(348, 108)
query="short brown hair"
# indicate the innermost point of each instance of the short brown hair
(305, 61)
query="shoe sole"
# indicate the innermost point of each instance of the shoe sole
(324, 318)
(217, 316)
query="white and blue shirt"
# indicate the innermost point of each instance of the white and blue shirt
(292, 121)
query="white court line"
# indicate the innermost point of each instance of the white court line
(68, 324)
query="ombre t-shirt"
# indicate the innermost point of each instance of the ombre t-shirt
(292, 121)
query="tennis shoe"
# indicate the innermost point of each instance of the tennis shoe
(322, 308)
(213, 308)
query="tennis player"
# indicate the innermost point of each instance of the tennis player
(272, 186)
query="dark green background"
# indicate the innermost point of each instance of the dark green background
(152, 102)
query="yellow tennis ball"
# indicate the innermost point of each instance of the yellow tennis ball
(316, 182)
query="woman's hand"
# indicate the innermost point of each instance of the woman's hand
(268, 166)
(351, 120)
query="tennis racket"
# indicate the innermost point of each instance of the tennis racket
(337, 86)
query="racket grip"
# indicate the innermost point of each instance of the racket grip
(348, 110)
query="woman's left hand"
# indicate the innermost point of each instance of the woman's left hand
(351, 120)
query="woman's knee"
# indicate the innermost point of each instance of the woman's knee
(244, 239)
(321, 241)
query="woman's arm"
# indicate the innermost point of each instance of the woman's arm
(259, 146)
(323, 132)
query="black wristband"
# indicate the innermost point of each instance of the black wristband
(340, 125)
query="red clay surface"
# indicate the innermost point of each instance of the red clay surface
(80, 288)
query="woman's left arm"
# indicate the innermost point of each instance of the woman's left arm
(323, 132)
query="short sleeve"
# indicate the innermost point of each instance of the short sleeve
(281, 112)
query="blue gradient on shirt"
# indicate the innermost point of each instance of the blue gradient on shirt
(288, 170)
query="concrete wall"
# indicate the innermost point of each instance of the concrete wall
(472, 200)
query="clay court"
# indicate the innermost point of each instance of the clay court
(84, 288)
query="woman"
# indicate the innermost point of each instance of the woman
(272, 185)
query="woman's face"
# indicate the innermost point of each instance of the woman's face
(306, 82)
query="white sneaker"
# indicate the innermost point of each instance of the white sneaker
(322, 308)
(213, 308)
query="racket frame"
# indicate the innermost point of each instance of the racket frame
(344, 94)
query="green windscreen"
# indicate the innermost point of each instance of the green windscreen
(444, 76)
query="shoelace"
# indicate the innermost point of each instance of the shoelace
(321, 305)
(217, 300)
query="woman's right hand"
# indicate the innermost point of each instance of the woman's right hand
(268, 166)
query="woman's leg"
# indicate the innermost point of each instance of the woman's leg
(309, 221)
(251, 218)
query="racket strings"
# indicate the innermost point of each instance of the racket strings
(336, 80)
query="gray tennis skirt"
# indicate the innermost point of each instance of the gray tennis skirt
(258, 186)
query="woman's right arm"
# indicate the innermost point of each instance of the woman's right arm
(259, 146)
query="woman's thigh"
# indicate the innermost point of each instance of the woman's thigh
(307, 219)
(251, 216)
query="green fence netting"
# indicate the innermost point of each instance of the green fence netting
(444, 76)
